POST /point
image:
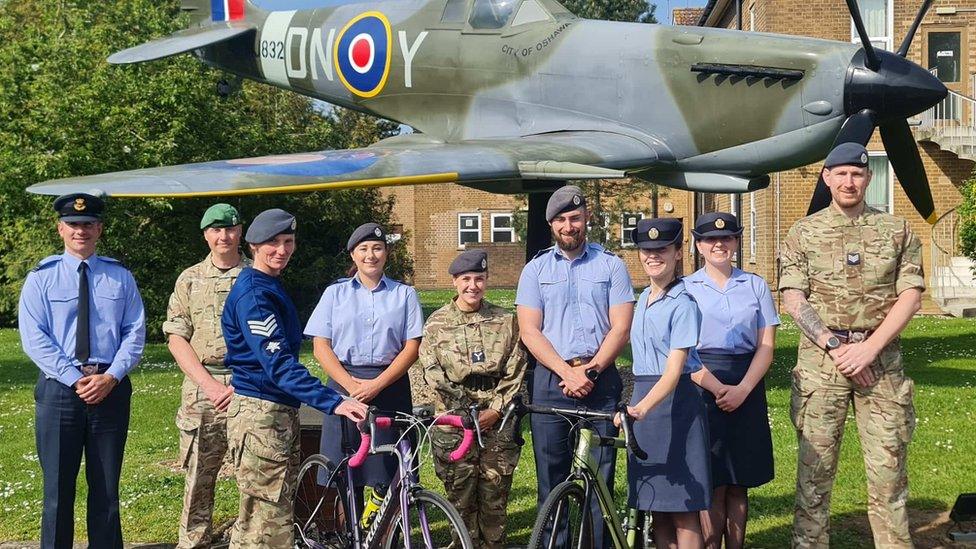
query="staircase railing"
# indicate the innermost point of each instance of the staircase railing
(957, 109)
(945, 283)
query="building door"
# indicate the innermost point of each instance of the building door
(945, 53)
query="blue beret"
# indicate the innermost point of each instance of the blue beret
(658, 232)
(79, 207)
(847, 154)
(470, 261)
(716, 224)
(366, 231)
(269, 224)
(565, 199)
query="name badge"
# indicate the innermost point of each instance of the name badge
(478, 356)
(854, 258)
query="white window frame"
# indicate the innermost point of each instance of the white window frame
(624, 243)
(510, 229)
(890, 183)
(460, 229)
(753, 227)
(752, 17)
(889, 26)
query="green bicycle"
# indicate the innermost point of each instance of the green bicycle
(565, 521)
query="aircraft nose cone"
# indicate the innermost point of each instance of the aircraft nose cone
(898, 89)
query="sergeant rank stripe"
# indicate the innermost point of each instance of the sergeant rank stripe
(264, 327)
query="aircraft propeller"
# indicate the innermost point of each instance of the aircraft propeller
(883, 90)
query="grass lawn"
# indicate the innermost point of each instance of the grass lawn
(939, 355)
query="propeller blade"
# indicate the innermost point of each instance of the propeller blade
(856, 129)
(907, 42)
(870, 56)
(907, 162)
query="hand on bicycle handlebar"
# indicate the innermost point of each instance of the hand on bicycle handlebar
(352, 409)
(488, 419)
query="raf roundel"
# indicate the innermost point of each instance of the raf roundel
(362, 54)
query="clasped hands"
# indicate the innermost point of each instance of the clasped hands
(94, 388)
(574, 382)
(854, 361)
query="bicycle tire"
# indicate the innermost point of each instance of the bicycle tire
(567, 499)
(320, 511)
(448, 529)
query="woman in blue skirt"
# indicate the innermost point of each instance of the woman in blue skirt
(674, 481)
(736, 346)
(366, 333)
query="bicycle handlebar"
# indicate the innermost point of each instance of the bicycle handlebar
(373, 420)
(518, 409)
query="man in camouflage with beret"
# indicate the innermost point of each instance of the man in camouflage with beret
(852, 279)
(471, 355)
(196, 342)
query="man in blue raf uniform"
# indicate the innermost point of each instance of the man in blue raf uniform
(574, 305)
(264, 337)
(82, 323)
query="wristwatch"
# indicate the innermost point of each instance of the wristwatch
(832, 343)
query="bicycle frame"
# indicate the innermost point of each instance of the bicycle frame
(585, 469)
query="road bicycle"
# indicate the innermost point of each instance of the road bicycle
(565, 520)
(327, 513)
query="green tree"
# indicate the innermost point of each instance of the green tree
(967, 225)
(613, 10)
(64, 111)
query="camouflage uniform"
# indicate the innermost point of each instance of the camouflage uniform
(264, 442)
(475, 358)
(852, 272)
(194, 314)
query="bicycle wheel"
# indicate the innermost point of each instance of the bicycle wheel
(320, 511)
(434, 524)
(564, 521)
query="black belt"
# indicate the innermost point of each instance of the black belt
(480, 382)
(852, 336)
(575, 362)
(92, 369)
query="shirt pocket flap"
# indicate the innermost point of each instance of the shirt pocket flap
(62, 294)
(108, 291)
(547, 279)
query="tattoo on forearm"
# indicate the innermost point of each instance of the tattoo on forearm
(809, 321)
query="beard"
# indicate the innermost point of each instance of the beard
(569, 242)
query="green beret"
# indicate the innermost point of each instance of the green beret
(220, 215)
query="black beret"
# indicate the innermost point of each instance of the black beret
(366, 231)
(269, 224)
(565, 199)
(658, 232)
(847, 154)
(470, 261)
(79, 207)
(716, 224)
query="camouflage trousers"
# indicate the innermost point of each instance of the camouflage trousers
(478, 486)
(264, 443)
(203, 444)
(885, 419)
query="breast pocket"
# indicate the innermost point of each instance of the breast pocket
(221, 290)
(63, 301)
(109, 302)
(596, 286)
(553, 289)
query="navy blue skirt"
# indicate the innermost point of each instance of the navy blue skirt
(675, 476)
(378, 469)
(740, 442)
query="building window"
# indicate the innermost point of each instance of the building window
(878, 20)
(945, 55)
(598, 228)
(881, 188)
(469, 228)
(502, 229)
(627, 225)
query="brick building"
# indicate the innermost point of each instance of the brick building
(442, 219)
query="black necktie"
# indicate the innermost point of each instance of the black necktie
(82, 343)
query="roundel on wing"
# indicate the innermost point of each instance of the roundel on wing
(362, 53)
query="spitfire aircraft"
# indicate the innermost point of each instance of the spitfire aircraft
(514, 96)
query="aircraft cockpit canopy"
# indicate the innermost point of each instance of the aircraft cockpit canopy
(495, 14)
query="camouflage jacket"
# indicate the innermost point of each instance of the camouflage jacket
(195, 307)
(484, 343)
(851, 270)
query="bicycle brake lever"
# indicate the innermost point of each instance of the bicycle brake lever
(473, 410)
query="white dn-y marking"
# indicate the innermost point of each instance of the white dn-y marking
(264, 327)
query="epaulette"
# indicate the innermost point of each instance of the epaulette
(542, 251)
(340, 280)
(111, 260)
(47, 262)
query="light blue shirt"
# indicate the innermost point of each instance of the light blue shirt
(671, 322)
(575, 296)
(48, 317)
(367, 327)
(733, 316)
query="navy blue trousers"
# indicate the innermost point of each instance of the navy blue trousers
(65, 428)
(550, 435)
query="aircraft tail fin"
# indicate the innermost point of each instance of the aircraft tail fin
(204, 12)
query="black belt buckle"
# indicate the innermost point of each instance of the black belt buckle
(851, 336)
(92, 369)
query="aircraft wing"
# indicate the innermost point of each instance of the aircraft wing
(402, 160)
(181, 42)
